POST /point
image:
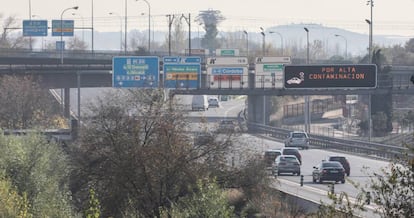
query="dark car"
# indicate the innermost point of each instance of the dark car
(270, 157)
(292, 151)
(227, 125)
(328, 171)
(298, 139)
(341, 159)
(286, 164)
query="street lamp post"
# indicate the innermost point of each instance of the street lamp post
(346, 44)
(126, 26)
(370, 40)
(30, 17)
(120, 29)
(370, 23)
(281, 39)
(170, 22)
(92, 26)
(188, 20)
(247, 42)
(83, 26)
(306, 112)
(149, 24)
(61, 31)
(43, 38)
(369, 61)
(264, 54)
(263, 41)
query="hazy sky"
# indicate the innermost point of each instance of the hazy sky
(389, 16)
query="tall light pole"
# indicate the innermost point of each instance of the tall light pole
(188, 20)
(370, 40)
(83, 25)
(61, 31)
(263, 41)
(281, 39)
(149, 24)
(307, 44)
(43, 38)
(306, 112)
(170, 22)
(346, 44)
(30, 18)
(371, 23)
(247, 42)
(120, 29)
(126, 26)
(264, 54)
(92, 25)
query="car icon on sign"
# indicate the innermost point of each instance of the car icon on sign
(294, 80)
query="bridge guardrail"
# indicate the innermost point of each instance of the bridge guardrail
(371, 149)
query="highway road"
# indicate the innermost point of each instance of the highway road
(246, 146)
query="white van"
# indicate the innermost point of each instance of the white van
(200, 102)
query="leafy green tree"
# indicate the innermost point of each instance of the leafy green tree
(210, 19)
(392, 189)
(382, 103)
(94, 210)
(40, 169)
(11, 203)
(409, 45)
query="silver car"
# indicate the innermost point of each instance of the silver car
(286, 164)
(297, 139)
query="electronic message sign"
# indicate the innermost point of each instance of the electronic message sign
(330, 76)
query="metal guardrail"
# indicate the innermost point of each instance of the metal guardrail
(375, 150)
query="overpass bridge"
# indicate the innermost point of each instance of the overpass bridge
(85, 70)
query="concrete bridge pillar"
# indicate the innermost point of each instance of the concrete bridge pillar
(258, 107)
(66, 99)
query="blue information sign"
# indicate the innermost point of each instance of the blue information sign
(135, 71)
(63, 27)
(34, 27)
(182, 72)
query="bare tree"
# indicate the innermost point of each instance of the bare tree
(25, 104)
(9, 40)
(137, 153)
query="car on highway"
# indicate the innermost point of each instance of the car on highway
(227, 125)
(341, 159)
(298, 139)
(213, 102)
(203, 139)
(328, 171)
(270, 157)
(286, 164)
(292, 151)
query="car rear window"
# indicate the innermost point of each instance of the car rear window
(298, 135)
(337, 159)
(289, 159)
(331, 164)
(290, 151)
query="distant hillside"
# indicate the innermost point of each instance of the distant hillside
(293, 34)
